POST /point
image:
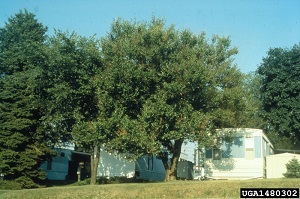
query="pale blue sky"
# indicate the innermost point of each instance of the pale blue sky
(254, 26)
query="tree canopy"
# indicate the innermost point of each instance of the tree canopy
(22, 141)
(21, 41)
(280, 91)
(169, 86)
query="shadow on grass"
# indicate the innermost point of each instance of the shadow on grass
(101, 180)
(55, 183)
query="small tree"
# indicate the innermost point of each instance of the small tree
(293, 169)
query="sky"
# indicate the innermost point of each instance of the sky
(254, 26)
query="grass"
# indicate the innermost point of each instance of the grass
(174, 189)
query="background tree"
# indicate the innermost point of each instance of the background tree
(73, 109)
(169, 86)
(251, 95)
(280, 92)
(22, 141)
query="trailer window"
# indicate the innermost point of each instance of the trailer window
(216, 154)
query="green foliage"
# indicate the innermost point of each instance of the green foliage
(293, 169)
(251, 95)
(19, 183)
(82, 182)
(280, 88)
(70, 76)
(26, 182)
(74, 112)
(168, 86)
(22, 140)
(116, 180)
(9, 185)
(23, 36)
(281, 142)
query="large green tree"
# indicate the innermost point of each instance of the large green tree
(73, 108)
(22, 141)
(280, 92)
(169, 86)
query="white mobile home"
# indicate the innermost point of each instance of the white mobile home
(239, 156)
(114, 164)
(148, 167)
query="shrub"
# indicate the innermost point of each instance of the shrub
(19, 183)
(293, 169)
(26, 182)
(9, 185)
(116, 180)
(83, 182)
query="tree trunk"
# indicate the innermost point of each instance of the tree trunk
(95, 156)
(171, 169)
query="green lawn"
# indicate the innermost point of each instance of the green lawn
(174, 189)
